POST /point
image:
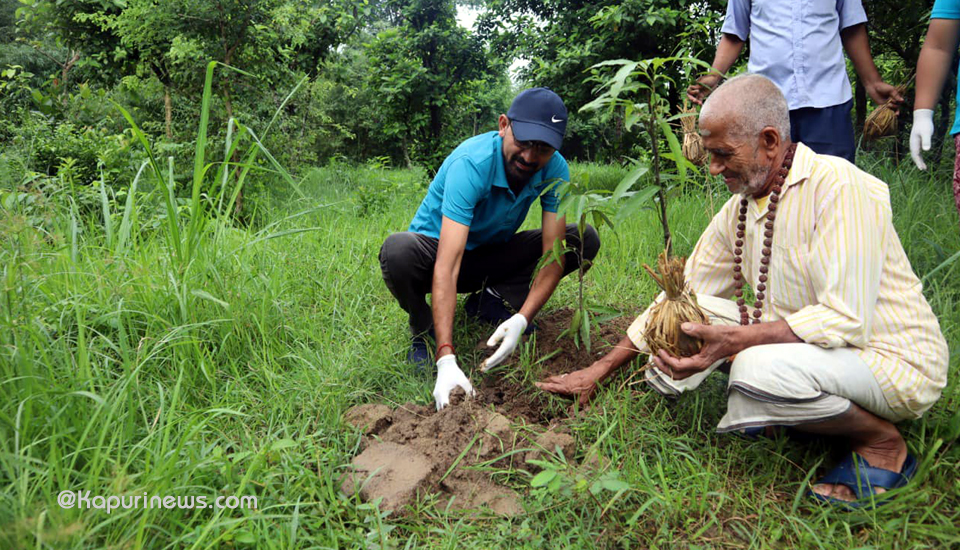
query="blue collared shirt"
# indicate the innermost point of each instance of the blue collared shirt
(796, 43)
(949, 9)
(471, 188)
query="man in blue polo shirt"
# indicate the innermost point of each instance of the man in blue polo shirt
(463, 237)
(799, 46)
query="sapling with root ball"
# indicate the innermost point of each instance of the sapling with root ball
(679, 305)
(639, 89)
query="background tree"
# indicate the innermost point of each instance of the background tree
(424, 66)
(563, 39)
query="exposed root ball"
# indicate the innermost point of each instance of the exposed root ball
(678, 307)
(693, 149)
(881, 122)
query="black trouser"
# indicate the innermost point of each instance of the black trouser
(407, 261)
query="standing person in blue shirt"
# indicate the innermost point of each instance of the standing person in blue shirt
(932, 68)
(463, 237)
(799, 46)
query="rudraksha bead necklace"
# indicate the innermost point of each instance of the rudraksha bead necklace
(767, 242)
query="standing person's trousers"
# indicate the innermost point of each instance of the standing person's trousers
(826, 130)
(407, 261)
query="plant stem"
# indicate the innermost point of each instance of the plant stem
(652, 130)
(581, 271)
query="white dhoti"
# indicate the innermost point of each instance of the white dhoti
(780, 384)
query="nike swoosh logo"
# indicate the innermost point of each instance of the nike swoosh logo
(555, 120)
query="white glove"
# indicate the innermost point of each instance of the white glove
(509, 331)
(920, 135)
(449, 376)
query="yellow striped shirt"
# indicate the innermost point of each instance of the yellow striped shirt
(838, 275)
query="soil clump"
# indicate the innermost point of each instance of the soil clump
(468, 453)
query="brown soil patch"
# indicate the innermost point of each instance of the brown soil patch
(571, 358)
(413, 450)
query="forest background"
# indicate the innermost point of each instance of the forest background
(399, 81)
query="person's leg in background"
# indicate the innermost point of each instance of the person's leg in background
(826, 130)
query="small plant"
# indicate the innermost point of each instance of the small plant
(640, 89)
(558, 478)
(584, 205)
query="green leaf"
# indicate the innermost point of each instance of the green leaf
(245, 537)
(564, 205)
(611, 62)
(557, 251)
(204, 295)
(544, 477)
(614, 485)
(620, 79)
(281, 444)
(629, 180)
(579, 205)
(575, 321)
(607, 220)
(637, 201)
(674, 148)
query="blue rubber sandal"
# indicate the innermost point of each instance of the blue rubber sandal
(857, 474)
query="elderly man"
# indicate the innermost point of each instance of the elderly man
(463, 237)
(839, 340)
(799, 45)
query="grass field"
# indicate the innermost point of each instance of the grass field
(126, 369)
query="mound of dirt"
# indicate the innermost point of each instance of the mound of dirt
(414, 450)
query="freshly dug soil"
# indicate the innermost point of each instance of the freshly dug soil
(413, 450)
(571, 358)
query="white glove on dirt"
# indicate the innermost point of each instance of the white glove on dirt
(449, 376)
(509, 331)
(920, 135)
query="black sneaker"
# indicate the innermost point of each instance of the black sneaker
(419, 354)
(487, 306)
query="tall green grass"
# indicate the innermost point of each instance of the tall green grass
(197, 357)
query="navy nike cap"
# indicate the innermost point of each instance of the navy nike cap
(538, 114)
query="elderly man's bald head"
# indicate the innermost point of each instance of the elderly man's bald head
(747, 104)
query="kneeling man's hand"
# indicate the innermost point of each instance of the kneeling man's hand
(509, 332)
(717, 345)
(449, 376)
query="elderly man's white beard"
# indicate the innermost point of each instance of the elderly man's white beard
(756, 177)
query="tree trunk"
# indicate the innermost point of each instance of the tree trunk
(436, 122)
(406, 153)
(65, 74)
(227, 103)
(168, 112)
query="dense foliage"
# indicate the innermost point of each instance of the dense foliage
(393, 79)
